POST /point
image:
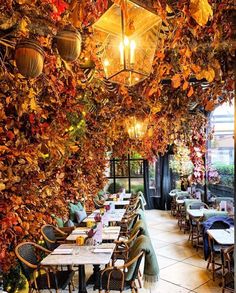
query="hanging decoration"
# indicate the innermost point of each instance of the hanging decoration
(29, 56)
(69, 44)
(127, 38)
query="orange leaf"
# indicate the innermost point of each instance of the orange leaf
(176, 81)
(185, 85)
(190, 92)
(210, 105)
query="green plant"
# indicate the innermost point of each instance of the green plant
(137, 188)
(114, 189)
(14, 281)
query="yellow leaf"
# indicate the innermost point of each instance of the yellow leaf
(2, 186)
(201, 11)
(209, 74)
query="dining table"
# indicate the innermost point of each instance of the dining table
(112, 216)
(110, 233)
(125, 196)
(197, 213)
(222, 236)
(118, 203)
(80, 256)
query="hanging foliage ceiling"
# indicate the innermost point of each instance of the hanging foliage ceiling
(56, 128)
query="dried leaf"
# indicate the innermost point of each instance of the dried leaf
(185, 85)
(2, 186)
(176, 81)
(201, 11)
(210, 106)
(190, 92)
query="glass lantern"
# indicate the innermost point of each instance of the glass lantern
(136, 128)
(127, 38)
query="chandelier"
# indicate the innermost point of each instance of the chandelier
(127, 37)
(136, 128)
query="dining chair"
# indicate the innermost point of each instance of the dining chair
(195, 233)
(215, 249)
(53, 236)
(40, 277)
(181, 210)
(173, 205)
(228, 269)
(113, 278)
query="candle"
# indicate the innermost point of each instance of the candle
(106, 64)
(132, 51)
(121, 49)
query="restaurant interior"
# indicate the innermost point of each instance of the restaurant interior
(117, 146)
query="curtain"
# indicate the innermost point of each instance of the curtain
(158, 197)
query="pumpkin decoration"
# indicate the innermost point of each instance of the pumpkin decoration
(69, 44)
(29, 56)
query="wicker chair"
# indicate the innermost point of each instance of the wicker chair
(122, 248)
(181, 211)
(53, 236)
(215, 249)
(228, 269)
(113, 278)
(40, 277)
(127, 223)
(195, 234)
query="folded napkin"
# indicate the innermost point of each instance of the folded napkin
(79, 232)
(63, 251)
(103, 250)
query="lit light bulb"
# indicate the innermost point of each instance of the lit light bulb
(106, 63)
(132, 51)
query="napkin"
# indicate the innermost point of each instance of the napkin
(63, 251)
(80, 232)
(103, 250)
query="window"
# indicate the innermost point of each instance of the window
(127, 173)
(220, 155)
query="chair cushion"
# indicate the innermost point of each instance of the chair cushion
(212, 213)
(73, 208)
(69, 223)
(60, 222)
(80, 215)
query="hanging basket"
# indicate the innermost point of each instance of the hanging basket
(69, 44)
(29, 56)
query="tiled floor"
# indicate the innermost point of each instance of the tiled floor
(182, 269)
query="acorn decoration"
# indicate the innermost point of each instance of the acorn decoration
(29, 56)
(69, 44)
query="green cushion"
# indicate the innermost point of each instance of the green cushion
(58, 220)
(212, 213)
(73, 208)
(188, 201)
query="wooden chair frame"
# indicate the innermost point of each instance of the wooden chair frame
(121, 270)
(38, 268)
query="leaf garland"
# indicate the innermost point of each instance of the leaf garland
(55, 130)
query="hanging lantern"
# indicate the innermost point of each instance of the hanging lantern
(29, 56)
(127, 38)
(136, 128)
(69, 44)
